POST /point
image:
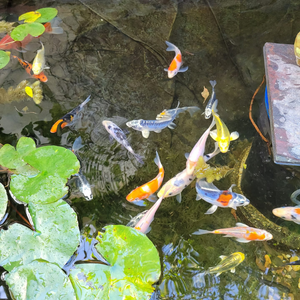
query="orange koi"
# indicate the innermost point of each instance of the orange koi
(147, 190)
(28, 68)
(242, 232)
(176, 63)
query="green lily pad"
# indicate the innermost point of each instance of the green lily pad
(4, 58)
(55, 240)
(47, 14)
(39, 281)
(20, 32)
(25, 145)
(10, 158)
(135, 266)
(3, 201)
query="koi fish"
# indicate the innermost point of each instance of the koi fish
(177, 184)
(207, 112)
(117, 133)
(53, 27)
(28, 68)
(7, 43)
(243, 233)
(66, 119)
(170, 112)
(176, 63)
(144, 224)
(198, 150)
(227, 263)
(145, 126)
(211, 194)
(221, 134)
(288, 213)
(38, 64)
(147, 190)
(84, 187)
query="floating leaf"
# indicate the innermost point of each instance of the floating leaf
(40, 280)
(4, 58)
(10, 158)
(3, 201)
(28, 91)
(25, 145)
(55, 240)
(30, 16)
(20, 32)
(135, 266)
(47, 14)
(205, 93)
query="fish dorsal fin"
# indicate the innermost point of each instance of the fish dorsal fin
(203, 184)
(222, 257)
(157, 160)
(230, 189)
(241, 225)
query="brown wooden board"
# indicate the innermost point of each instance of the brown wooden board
(283, 86)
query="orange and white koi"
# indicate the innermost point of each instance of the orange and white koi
(288, 213)
(147, 190)
(28, 68)
(242, 232)
(176, 63)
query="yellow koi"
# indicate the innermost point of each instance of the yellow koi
(38, 64)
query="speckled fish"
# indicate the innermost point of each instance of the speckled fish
(84, 187)
(176, 63)
(170, 112)
(117, 133)
(288, 213)
(145, 126)
(222, 134)
(177, 184)
(38, 64)
(207, 112)
(211, 194)
(147, 190)
(66, 119)
(242, 232)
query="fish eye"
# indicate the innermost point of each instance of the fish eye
(109, 127)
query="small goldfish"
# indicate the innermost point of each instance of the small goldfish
(176, 63)
(147, 190)
(66, 119)
(288, 213)
(28, 67)
(53, 27)
(221, 134)
(242, 232)
(84, 187)
(211, 194)
(211, 101)
(170, 112)
(38, 64)
(117, 133)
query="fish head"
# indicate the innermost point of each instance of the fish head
(42, 77)
(268, 236)
(286, 213)
(108, 125)
(240, 255)
(241, 200)
(224, 145)
(135, 124)
(87, 192)
(37, 68)
(207, 113)
(172, 73)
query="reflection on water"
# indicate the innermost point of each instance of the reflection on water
(117, 54)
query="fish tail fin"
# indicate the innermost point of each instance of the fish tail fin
(171, 47)
(192, 110)
(56, 30)
(199, 280)
(213, 83)
(139, 158)
(157, 160)
(201, 231)
(85, 101)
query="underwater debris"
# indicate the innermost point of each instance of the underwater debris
(204, 170)
(6, 26)
(37, 92)
(205, 94)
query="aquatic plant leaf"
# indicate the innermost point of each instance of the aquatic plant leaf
(40, 280)
(205, 94)
(30, 17)
(55, 240)
(10, 158)
(4, 58)
(25, 145)
(28, 91)
(47, 14)
(3, 201)
(135, 266)
(20, 32)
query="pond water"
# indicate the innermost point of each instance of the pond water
(115, 51)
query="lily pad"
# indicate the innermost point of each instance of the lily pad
(55, 240)
(4, 58)
(47, 14)
(10, 158)
(40, 281)
(30, 17)
(20, 32)
(25, 145)
(135, 266)
(3, 201)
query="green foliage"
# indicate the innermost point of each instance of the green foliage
(4, 58)
(47, 14)
(3, 201)
(20, 32)
(135, 266)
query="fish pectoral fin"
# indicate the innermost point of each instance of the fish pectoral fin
(214, 135)
(187, 155)
(145, 133)
(138, 202)
(234, 135)
(218, 274)
(166, 70)
(184, 69)
(111, 139)
(241, 225)
(152, 198)
(241, 240)
(232, 270)
(157, 131)
(230, 189)
(46, 67)
(222, 257)
(198, 197)
(172, 125)
(178, 198)
(212, 210)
